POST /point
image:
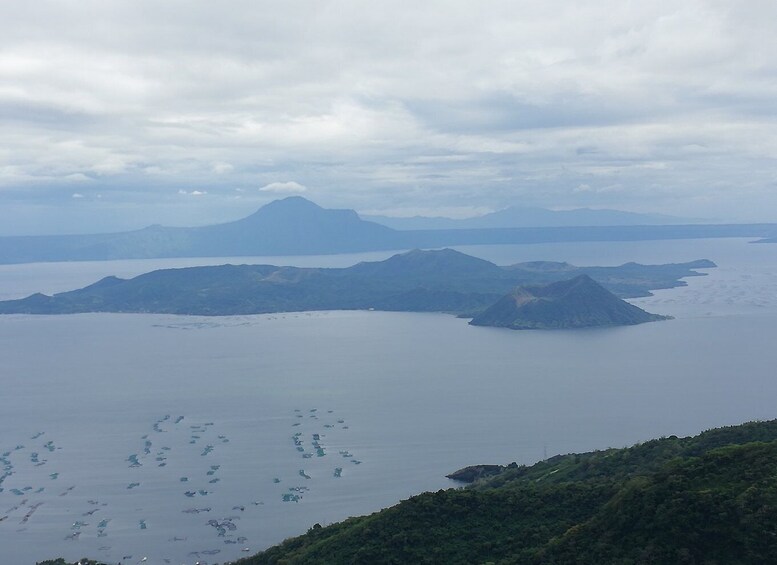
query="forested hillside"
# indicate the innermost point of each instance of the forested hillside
(707, 499)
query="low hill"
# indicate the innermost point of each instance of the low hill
(576, 303)
(434, 263)
(705, 499)
(532, 217)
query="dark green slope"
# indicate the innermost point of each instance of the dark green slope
(718, 508)
(707, 499)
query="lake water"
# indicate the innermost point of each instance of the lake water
(178, 438)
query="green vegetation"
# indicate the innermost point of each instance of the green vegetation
(705, 499)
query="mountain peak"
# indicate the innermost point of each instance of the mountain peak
(579, 283)
(579, 302)
(289, 206)
(293, 201)
(295, 225)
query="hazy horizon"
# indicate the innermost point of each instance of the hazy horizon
(366, 216)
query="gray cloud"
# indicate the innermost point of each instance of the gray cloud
(440, 105)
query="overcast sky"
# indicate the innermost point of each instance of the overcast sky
(117, 115)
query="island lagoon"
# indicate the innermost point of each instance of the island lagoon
(189, 438)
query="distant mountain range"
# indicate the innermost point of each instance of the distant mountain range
(416, 281)
(296, 226)
(292, 226)
(531, 217)
(580, 302)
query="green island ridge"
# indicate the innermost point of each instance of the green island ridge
(710, 499)
(416, 281)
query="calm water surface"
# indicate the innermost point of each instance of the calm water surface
(103, 416)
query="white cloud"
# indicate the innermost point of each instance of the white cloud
(77, 177)
(221, 168)
(77, 195)
(284, 187)
(441, 104)
(193, 192)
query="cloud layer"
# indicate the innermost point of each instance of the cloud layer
(658, 106)
(289, 187)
